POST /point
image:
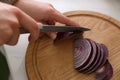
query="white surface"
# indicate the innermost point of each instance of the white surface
(16, 58)
(16, 54)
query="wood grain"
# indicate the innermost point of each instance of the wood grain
(47, 61)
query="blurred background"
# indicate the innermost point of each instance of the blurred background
(15, 55)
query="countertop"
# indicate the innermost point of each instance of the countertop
(16, 54)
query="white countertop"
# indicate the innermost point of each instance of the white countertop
(16, 54)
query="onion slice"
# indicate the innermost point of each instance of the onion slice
(105, 73)
(101, 61)
(83, 49)
(96, 61)
(65, 35)
(93, 57)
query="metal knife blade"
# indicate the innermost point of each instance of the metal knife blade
(53, 28)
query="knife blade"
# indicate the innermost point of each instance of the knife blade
(54, 28)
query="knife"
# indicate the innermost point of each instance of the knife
(54, 28)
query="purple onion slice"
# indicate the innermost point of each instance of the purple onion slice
(109, 72)
(96, 61)
(65, 35)
(105, 73)
(102, 57)
(101, 73)
(83, 49)
(93, 58)
(105, 52)
(77, 55)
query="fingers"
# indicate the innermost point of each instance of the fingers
(8, 35)
(63, 19)
(48, 22)
(5, 33)
(14, 25)
(11, 20)
(52, 35)
(29, 24)
(14, 38)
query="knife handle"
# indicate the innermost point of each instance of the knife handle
(24, 31)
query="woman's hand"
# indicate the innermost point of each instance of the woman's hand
(44, 13)
(11, 20)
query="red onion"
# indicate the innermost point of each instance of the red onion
(89, 56)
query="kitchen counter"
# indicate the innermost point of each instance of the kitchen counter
(16, 54)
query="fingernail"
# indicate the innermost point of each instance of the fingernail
(31, 39)
(53, 35)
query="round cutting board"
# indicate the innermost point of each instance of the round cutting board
(48, 61)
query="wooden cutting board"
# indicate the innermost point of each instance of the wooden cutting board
(48, 61)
